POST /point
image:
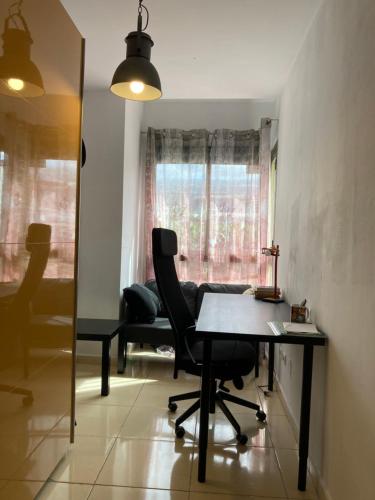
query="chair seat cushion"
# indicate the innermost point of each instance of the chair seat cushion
(230, 358)
(159, 332)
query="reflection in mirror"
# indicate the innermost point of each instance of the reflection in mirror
(39, 166)
(19, 76)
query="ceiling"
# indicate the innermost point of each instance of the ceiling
(212, 49)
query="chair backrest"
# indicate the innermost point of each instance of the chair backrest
(38, 242)
(164, 248)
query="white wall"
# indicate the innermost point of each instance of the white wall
(207, 114)
(131, 270)
(101, 209)
(325, 226)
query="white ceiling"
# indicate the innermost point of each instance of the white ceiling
(204, 49)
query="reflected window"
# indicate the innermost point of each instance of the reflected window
(43, 193)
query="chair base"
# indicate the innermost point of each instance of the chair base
(218, 397)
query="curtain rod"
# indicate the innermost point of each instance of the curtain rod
(144, 132)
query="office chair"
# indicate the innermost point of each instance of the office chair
(15, 308)
(231, 360)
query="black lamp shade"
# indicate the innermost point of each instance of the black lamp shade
(137, 70)
(19, 76)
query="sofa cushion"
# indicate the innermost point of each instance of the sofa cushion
(217, 288)
(143, 303)
(189, 290)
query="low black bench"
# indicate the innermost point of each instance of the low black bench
(103, 330)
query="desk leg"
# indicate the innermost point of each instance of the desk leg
(106, 366)
(271, 364)
(305, 416)
(204, 410)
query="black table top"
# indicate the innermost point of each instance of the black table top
(241, 317)
(97, 329)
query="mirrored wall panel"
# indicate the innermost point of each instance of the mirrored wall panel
(40, 118)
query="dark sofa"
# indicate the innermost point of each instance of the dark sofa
(159, 332)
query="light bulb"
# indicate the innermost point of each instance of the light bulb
(15, 84)
(137, 87)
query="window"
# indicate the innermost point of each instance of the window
(212, 189)
(214, 210)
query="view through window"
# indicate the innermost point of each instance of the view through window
(215, 211)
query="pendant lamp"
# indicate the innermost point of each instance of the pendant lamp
(19, 76)
(136, 77)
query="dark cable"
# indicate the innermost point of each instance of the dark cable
(148, 15)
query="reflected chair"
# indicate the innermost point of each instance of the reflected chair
(231, 360)
(15, 308)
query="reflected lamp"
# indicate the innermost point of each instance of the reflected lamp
(19, 76)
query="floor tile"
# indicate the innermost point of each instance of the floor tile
(250, 394)
(216, 496)
(20, 490)
(288, 460)
(162, 369)
(14, 450)
(100, 420)
(40, 464)
(64, 491)
(271, 404)
(221, 431)
(148, 464)
(281, 432)
(156, 394)
(84, 460)
(135, 368)
(123, 493)
(123, 391)
(156, 423)
(240, 470)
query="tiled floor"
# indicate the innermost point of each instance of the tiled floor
(125, 445)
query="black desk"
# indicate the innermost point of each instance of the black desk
(241, 317)
(100, 330)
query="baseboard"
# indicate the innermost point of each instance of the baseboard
(317, 480)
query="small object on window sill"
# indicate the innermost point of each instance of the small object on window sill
(183, 258)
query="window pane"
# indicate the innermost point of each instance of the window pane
(234, 224)
(181, 206)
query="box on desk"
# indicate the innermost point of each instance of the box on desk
(262, 292)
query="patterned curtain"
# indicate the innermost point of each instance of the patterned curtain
(212, 189)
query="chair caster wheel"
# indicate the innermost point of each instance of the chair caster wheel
(180, 432)
(172, 407)
(261, 416)
(241, 438)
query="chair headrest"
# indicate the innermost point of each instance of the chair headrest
(164, 242)
(37, 233)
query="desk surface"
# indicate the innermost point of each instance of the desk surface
(240, 316)
(97, 329)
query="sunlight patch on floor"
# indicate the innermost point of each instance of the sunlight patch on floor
(96, 383)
